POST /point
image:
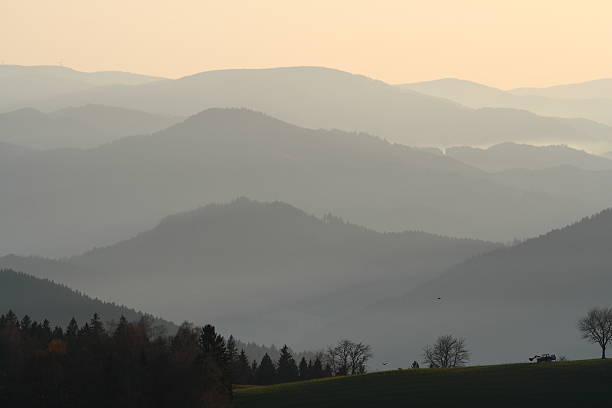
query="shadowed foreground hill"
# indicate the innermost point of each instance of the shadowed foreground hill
(43, 299)
(571, 384)
(60, 203)
(257, 269)
(510, 303)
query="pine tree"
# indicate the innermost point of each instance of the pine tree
(213, 343)
(304, 369)
(266, 372)
(317, 370)
(96, 327)
(121, 336)
(287, 368)
(216, 368)
(26, 322)
(243, 373)
(232, 357)
(72, 332)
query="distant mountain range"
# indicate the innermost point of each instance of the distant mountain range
(594, 89)
(63, 202)
(591, 100)
(507, 156)
(78, 127)
(318, 97)
(261, 271)
(509, 304)
(21, 84)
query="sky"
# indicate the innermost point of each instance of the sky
(501, 43)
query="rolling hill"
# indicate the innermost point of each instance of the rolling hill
(21, 84)
(263, 271)
(507, 156)
(509, 303)
(318, 97)
(63, 202)
(594, 89)
(569, 384)
(77, 127)
(43, 299)
(589, 101)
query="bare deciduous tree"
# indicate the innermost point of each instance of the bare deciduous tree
(448, 351)
(348, 357)
(596, 327)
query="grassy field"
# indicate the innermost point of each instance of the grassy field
(564, 384)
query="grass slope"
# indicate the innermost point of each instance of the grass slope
(567, 384)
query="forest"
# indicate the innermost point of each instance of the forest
(134, 364)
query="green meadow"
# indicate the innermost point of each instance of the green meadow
(585, 383)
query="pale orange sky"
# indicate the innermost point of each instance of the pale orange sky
(496, 42)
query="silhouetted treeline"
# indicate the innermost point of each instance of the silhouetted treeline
(131, 364)
(285, 369)
(128, 365)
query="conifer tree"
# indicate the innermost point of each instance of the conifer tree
(304, 369)
(243, 373)
(266, 372)
(287, 368)
(215, 365)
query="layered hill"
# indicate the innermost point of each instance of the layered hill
(66, 201)
(77, 127)
(261, 271)
(507, 156)
(21, 84)
(318, 97)
(43, 299)
(589, 100)
(510, 303)
(594, 89)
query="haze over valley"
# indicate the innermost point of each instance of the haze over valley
(207, 201)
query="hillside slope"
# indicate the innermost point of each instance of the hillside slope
(23, 84)
(589, 100)
(573, 384)
(64, 202)
(509, 303)
(508, 156)
(319, 97)
(286, 272)
(43, 299)
(77, 127)
(594, 89)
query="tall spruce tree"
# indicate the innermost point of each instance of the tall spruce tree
(304, 369)
(214, 360)
(287, 368)
(243, 373)
(266, 372)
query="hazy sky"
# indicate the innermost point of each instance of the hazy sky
(497, 42)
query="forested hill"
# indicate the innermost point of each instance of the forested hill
(509, 303)
(271, 257)
(43, 299)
